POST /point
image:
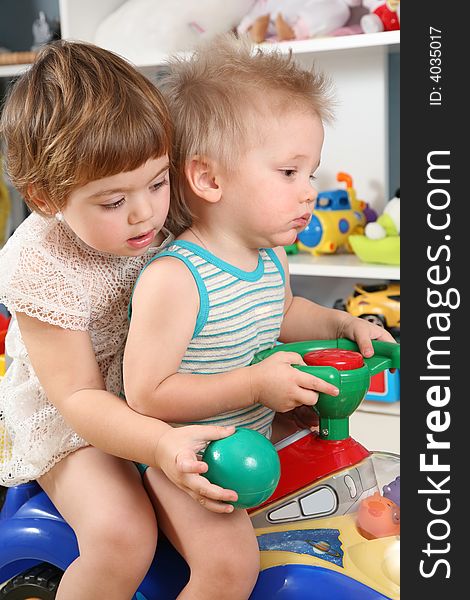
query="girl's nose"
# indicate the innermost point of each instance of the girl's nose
(141, 211)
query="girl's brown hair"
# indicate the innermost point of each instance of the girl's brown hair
(80, 113)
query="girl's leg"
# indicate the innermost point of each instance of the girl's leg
(103, 500)
(220, 549)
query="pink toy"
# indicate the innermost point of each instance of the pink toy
(295, 19)
(384, 16)
(378, 517)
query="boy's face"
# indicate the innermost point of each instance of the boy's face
(124, 213)
(270, 194)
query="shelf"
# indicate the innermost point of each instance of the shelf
(12, 70)
(382, 408)
(389, 39)
(386, 39)
(340, 265)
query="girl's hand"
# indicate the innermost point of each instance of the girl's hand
(362, 332)
(276, 384)
(176, 456)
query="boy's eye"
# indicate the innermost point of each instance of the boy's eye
(312, 179)
(116, 204)
(289, 172)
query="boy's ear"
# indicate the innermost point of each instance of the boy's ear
(36, 198)
(201, 177)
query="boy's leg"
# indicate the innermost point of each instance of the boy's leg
(102, 498)
(220, 549)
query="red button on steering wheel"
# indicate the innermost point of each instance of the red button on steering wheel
(343, 360)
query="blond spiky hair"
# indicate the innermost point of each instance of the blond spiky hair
(216, 94)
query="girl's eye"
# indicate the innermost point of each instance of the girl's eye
(159, 184)
(312, 179)
(116, 204)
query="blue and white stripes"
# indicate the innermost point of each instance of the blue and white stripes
(240, 314)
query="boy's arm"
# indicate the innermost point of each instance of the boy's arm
(165, 305)
(164, 312)
(306, 320)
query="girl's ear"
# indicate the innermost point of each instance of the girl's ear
(200, 175)
(38, 200)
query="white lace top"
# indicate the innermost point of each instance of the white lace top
(46, 272)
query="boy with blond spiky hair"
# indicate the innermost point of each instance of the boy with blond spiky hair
(248, 140)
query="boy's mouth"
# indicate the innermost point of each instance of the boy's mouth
(302, 221)
(142, 240)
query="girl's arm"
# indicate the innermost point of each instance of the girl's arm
(306, 320)
(164, 312)
(65, 364)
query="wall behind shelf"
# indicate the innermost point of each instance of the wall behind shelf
(326, 290)
(393, 122)
(16, 21)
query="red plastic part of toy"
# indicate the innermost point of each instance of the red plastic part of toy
(310, 458)
(343, 360)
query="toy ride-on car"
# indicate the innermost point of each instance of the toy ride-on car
(330, 529)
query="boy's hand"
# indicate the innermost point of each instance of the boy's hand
(276, 384)
(176, 456)
(362, 332)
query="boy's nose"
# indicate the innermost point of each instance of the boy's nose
(309, 194)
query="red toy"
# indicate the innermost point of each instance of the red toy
(384, 16)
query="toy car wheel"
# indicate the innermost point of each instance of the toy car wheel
(339, 304)
(39, 583)
(375, 319)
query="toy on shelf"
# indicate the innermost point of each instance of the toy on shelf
(378, 303)
(307, 530)
(164, 27)
(295, 19)
(5, 205)
(381, 240)
(4, 322)
(336, 215)
(366, 212)
(384, 387)
(384, 16)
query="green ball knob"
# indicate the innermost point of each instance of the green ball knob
(246, 462)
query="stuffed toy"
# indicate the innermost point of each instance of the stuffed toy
(295, 19)
(381, 240)
(384, 16)
(389, 221)
(142, 29)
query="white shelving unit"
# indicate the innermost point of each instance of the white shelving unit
(357, 143)
(340, 265)
(12, 70)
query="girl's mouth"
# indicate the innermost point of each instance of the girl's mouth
(143, 240)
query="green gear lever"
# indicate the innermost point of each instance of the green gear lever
(334, 411)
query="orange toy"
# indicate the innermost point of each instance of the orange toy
(378, 517)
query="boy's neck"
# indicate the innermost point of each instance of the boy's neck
(225, 245)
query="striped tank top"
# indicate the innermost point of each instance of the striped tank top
(240, 314)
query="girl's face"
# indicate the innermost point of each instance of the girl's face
(124, 213)
(270, 194)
